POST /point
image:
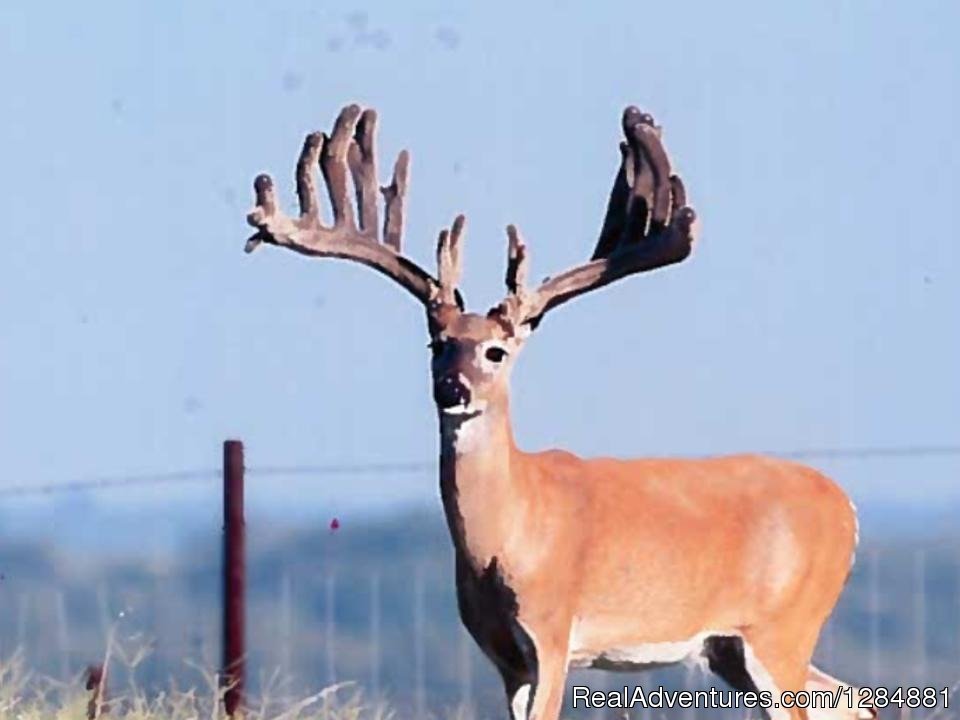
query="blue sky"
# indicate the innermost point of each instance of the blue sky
(818, 141)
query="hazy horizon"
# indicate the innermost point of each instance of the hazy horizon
(817, 141)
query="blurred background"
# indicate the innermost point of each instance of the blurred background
(816, 320)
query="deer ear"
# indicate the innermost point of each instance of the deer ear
(505, 315)
(439, 317)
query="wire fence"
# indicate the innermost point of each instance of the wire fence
(395, 631)
(403, 467)
(384, 615)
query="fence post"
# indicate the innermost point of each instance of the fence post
(375, 636)
(874, 612)
(286, 626)
(920, 614)
(466, 673)
(23, 609)
(234, 577)
(826, 641)
(418, 643)
(330, 622)
(63, 636)
(691, 683)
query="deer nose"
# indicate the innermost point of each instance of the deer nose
(449, 392)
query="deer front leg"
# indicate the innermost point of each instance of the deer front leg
(848, 709)
(541, 699)
(518, 687)
(535, 689)
(551, 683)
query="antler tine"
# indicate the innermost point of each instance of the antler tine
(333, 164)
(362, 159)
(516, 263)
(306, 175)
(349, 148)
(394, 195)
(514, 305)
(265, 211)
(615, 218)
(448, 261)
(647, 224)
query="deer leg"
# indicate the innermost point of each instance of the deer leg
(778, 663)
(725, 658)
(518, 686)
(551, 676)
(536, 687)
(848, 708)
(551, 683)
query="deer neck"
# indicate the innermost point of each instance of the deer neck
(480, 484)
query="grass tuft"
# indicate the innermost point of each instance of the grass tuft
(24, 696)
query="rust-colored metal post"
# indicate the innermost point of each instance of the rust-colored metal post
(234, 578)
(97, 685)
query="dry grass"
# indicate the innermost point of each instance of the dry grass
(24, 696)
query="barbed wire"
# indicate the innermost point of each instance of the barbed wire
(206, 474)
(405, 468)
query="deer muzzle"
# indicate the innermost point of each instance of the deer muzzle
(451, 393)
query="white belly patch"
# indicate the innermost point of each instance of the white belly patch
(638, 657)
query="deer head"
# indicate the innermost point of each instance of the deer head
(647, 225)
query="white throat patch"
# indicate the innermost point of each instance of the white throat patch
(464, 433)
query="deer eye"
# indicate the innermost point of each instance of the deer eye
(495, 354)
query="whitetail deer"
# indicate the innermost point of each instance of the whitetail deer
(564, 562)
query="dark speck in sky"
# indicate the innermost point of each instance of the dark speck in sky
(291, 81)
(457, 167)
(379, 39)
(335, 44)
(116, 105)
(448, 37)
(192, 404)
(362, 34)
(358, 21)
